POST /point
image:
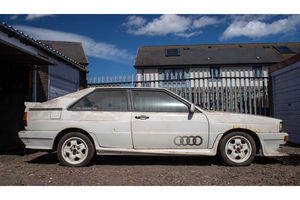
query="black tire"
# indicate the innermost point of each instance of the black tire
(250, 155)
(89, 150)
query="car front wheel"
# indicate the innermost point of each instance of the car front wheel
(237, 149)
(75, 150)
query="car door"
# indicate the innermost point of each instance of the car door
(161, 120)
(107, 114)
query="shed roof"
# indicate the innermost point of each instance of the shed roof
(13, 32)
(285, 63)
(73, 50)
(214, 54)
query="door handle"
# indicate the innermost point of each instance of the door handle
(142, 117)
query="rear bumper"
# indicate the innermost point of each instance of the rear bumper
(271, 143)
(38, 139)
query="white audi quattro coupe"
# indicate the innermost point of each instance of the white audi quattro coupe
(145, 121)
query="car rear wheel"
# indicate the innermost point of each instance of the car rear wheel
(237, 149)
(75, 150)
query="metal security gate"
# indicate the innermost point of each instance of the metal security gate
(234, 91)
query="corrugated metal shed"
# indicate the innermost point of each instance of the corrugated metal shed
(212, 54)
(286, 96)
(63, 74)
(62, 80)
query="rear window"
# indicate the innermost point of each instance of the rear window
(103, 100)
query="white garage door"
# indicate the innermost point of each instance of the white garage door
(63, 79)
(286, 99)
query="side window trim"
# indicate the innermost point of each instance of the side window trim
(131, 100)
(129, 105)
(166, 92)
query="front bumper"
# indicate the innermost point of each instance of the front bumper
(271, 143)
(38, 139)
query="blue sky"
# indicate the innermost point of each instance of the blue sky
(111, 41)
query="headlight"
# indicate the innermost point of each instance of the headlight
(280, 127)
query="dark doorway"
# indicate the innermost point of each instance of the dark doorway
(14, 91)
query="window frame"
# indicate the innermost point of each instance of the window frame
(255, 69)
(129, 104)
(188, 104)
(172, 55)
(163, 82)
(163, 71)
(211, 69)
(283, 49)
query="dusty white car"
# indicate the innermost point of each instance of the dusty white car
(148, 121)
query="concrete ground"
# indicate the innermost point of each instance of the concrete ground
(42, 168)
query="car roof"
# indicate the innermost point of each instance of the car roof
(137, 88)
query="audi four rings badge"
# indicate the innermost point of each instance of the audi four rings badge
(188, 140)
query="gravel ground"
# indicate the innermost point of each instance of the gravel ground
(42, 168)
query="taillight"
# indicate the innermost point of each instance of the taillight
(25, 118)
(286, 138)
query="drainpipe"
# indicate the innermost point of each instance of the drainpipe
(34, 84)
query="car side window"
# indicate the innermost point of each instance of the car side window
(156, 101)
(103, 100)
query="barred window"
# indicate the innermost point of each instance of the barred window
(257, 71)
(215, 72)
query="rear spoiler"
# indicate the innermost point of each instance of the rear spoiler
(30, 105)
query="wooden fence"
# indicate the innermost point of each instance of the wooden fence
(238, 91)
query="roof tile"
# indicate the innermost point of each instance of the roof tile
(21, 35)
(218, 54)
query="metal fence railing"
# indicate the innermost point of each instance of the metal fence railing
(231, 92)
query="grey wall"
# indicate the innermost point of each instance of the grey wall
(286, 99)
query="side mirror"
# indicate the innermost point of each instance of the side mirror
(192, 108)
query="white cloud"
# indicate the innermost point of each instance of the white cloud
(256, 27)
(91, 47)
(250, 17)
(164, 25)
(205, 21)
(13, 17)
(177, 25)
(36, 16)
(135, 21)
(187, 35)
